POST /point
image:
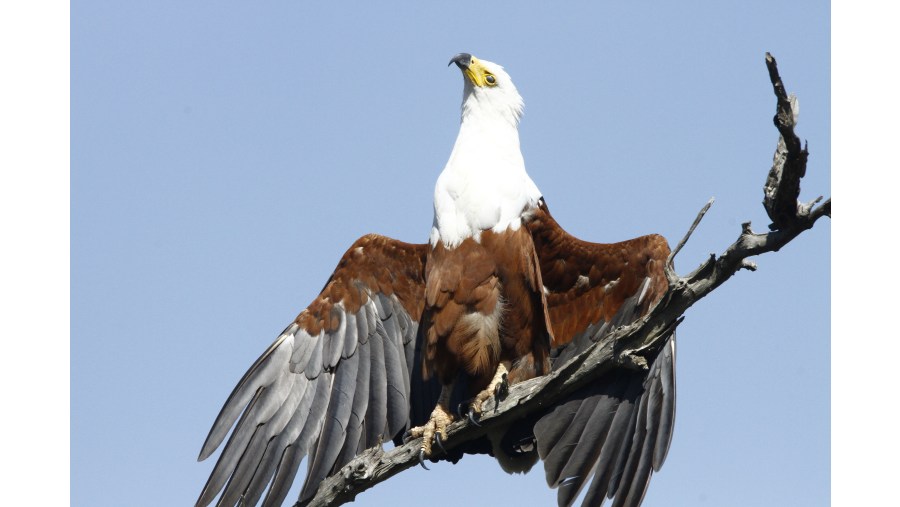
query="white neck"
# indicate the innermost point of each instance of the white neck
(484, 184)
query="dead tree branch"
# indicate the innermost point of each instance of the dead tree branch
(632, 345)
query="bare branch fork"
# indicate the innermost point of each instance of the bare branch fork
(630, 345)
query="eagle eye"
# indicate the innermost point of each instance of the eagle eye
(491, 80)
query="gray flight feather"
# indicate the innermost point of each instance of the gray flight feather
(558, 457)
(363, 316)
(314, 365)
(376, 414)
(287, 469)
(335, 339)
(386, 312)
(262, 373)
(260, 410)
(666, 364)
(334, 430)
(619, 437)
(630, 473)
(282, 449)
(313, 427)
(278, 444)
(371, 314)
(604, 468)
(358, 412)
(383, 311)
(397, 385)
(219, 477)
(304, 345)
(584, 457)
(623, 449)
(351, 338)
(265, 432)
(308, 426)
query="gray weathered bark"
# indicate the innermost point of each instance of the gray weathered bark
(628, 346)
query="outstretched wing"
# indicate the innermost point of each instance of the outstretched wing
(335, 382)
(616, 431)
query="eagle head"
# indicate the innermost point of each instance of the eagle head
(488, 90)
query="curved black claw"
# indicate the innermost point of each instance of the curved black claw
(437, 440)
(407, 436)
(501, 390)
(422, 459)
(459, 410)
(471, 417)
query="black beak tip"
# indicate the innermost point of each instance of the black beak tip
(462, 60)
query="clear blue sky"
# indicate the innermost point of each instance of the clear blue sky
(224, 156)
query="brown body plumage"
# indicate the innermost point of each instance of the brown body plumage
(484, 305)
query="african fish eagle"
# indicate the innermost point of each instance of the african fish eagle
(402, 334)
